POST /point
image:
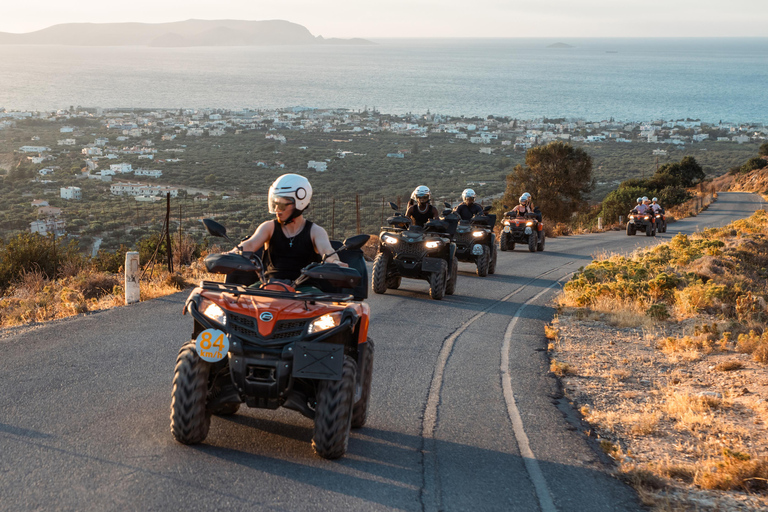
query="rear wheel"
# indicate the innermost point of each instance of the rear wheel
(333, 412)
(379, 274)
(450, 286)
(648, 230)
(189, 418)
(540, 246)
(504, 241)
(533, 240)
(482, 261)
(492, 263)
(437, 281)
(360, 409)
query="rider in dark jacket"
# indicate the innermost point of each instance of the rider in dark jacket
(468, 208)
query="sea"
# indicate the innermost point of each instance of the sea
(723, 79)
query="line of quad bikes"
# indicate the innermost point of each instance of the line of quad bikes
(304, 345)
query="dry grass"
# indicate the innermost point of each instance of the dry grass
(560, 369)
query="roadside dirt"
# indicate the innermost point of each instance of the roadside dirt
(675, 421)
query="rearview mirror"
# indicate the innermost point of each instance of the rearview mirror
(505, 206)
(214, 228)
(393, 205)
(356, 242)
(446, 204)
(487, 209)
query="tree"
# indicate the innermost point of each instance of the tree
(763, 151)
(687, 171)
(557, 175)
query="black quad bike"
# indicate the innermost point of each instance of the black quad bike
(474, 239)
(527, 229)
(661, 221)
(415, 252)
(641, 223)
(302, 345)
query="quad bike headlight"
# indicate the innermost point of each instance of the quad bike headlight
(213, 311)
(631, 216)
(478, 234)
(325, 322)
(506, 222)
(647, 217)
(432, 244)
(391, 240)
(529, 223)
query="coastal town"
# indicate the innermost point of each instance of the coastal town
(134, 149)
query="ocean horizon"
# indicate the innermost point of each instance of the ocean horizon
(631, 79)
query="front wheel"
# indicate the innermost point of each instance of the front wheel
(648, 230)
(393, 283)
(533, 240)
(333, 412)
(492, 263)
(482, 261)
(364, 376)
(379, 274)
(540, 246)
(504, 241)
(189, 418)
(450, 286)
(437, 281)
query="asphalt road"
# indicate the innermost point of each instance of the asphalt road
(464, 415)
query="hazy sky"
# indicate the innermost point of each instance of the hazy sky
(425, 18)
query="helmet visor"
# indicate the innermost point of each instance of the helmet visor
(280, 203)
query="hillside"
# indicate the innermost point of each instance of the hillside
(176, 34)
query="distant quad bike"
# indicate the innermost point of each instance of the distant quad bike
(528, 230)
(641, 223)
(474, 239)
(415, 252)
(273, 344)
(661, 221)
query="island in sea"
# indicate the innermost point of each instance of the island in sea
(176, 34)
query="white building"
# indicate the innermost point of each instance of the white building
(141, 189)
(91, 151)
(146, 172)
(45, 171)
(33, 149)
(71, 193)
(318, 166)
(486, 151)
(121, 168)
(50, 225)
(66, 142)
(101, 141)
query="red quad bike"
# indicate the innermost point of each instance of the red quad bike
(528, 229)
(274, 344)
(641, 223)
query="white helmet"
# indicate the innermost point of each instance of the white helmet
(420, 191)
(645, 198)
(639, 200)
(525, 198)
(293, 187)
(655, 199)
(468, 192)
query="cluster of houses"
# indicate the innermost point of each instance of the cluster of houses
(136, 130)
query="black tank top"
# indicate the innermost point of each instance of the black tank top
(287, 256)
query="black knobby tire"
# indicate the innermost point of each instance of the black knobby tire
(482, 261)
(648, 230)
(450, 286)
(437, 282)
(190, 419)
(533, 240)
(364, 376)
(630, 231)
(379, 274)
(511, 246)
(393, 283)
(542, 240)
(492, 263)
(504, 242)
(333, 412)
